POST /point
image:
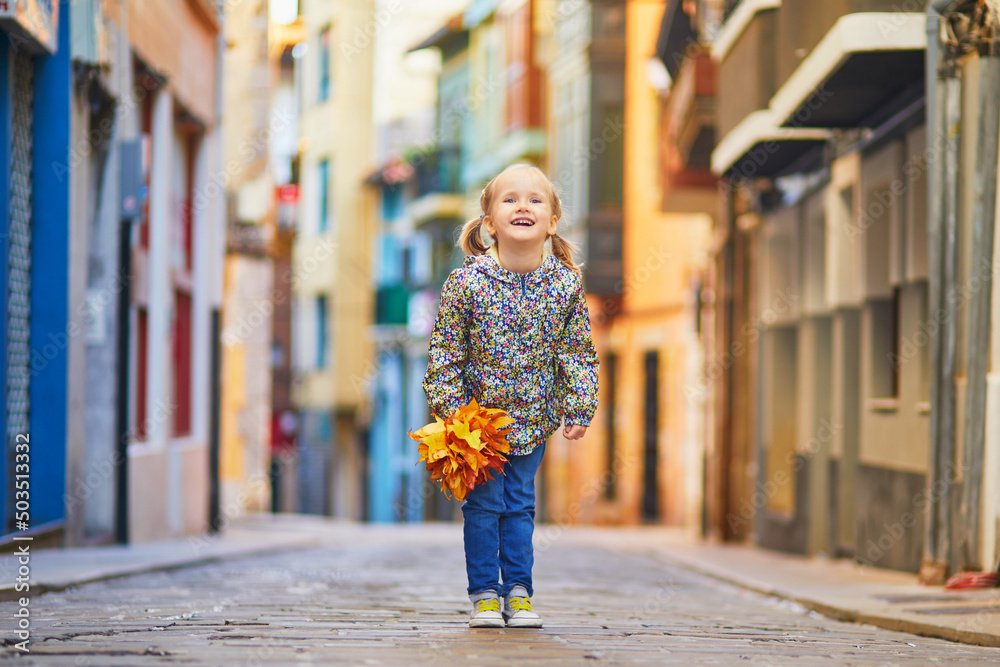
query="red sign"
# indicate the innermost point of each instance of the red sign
(287, 194)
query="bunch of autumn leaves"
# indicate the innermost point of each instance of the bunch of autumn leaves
(464, 449)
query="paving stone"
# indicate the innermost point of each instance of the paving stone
(375, 599)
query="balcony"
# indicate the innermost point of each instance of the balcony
(836, 64)
(438, 198)
(246, 239)
(602, 271)
(438, 171)
(745, 51)
(687, 118)
(840, 66)
(391, 303)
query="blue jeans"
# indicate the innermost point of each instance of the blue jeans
(499, 522)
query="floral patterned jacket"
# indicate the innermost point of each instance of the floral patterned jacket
(520, 342)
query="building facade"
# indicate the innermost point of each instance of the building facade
(850, 226)
(286, 32)
(172, 103)
(417, 175)
(332, 305)
(248, 289)
(41, 342)
(109, 349)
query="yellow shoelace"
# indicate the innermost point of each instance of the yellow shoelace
(520, 604)
(487, 605)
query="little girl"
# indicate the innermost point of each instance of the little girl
(513, 332)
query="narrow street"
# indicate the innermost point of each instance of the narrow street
(394, 595)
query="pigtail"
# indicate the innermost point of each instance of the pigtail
(563, 251)
(471, 239)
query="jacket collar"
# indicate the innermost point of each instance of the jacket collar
(489, 265)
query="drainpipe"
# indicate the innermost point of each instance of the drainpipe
(942, 91)
(983, 219)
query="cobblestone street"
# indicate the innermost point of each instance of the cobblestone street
(383, 595)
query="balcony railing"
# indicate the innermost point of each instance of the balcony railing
(439, 170)
(246, 239)
(391, 303)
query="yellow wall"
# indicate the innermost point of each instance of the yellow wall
(338, 263)
(231, 467)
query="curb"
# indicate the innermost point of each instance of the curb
(9, 594)
(842, 613)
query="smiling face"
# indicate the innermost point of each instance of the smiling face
(521, 215)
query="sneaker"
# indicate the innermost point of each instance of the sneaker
(486, 611)
(517, 610)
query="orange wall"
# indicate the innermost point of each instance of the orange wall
(664, 256)
(176, 39)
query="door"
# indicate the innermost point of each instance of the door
(650, 490)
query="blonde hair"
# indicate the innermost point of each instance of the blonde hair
(471, 240)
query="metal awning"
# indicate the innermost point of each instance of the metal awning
(865, 62)
(759, 148)
(862, 64)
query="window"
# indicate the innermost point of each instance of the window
(781, 365)
(885, 358)
(321, 331)
(610, 163)
(922, 339)
(324, 65)
(323, 185)
(182, 263)
(873, 231)
(571, 151)
(182, 362)
(611, 489)
(392, 202)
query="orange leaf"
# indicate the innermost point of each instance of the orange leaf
(466, 449)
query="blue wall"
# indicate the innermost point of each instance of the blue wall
(50, 331)
(6, 111)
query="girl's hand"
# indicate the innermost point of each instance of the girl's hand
(574, 431)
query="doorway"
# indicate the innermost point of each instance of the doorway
(650, 458)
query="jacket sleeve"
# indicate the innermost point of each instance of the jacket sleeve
(448, 351)
(577, 363)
